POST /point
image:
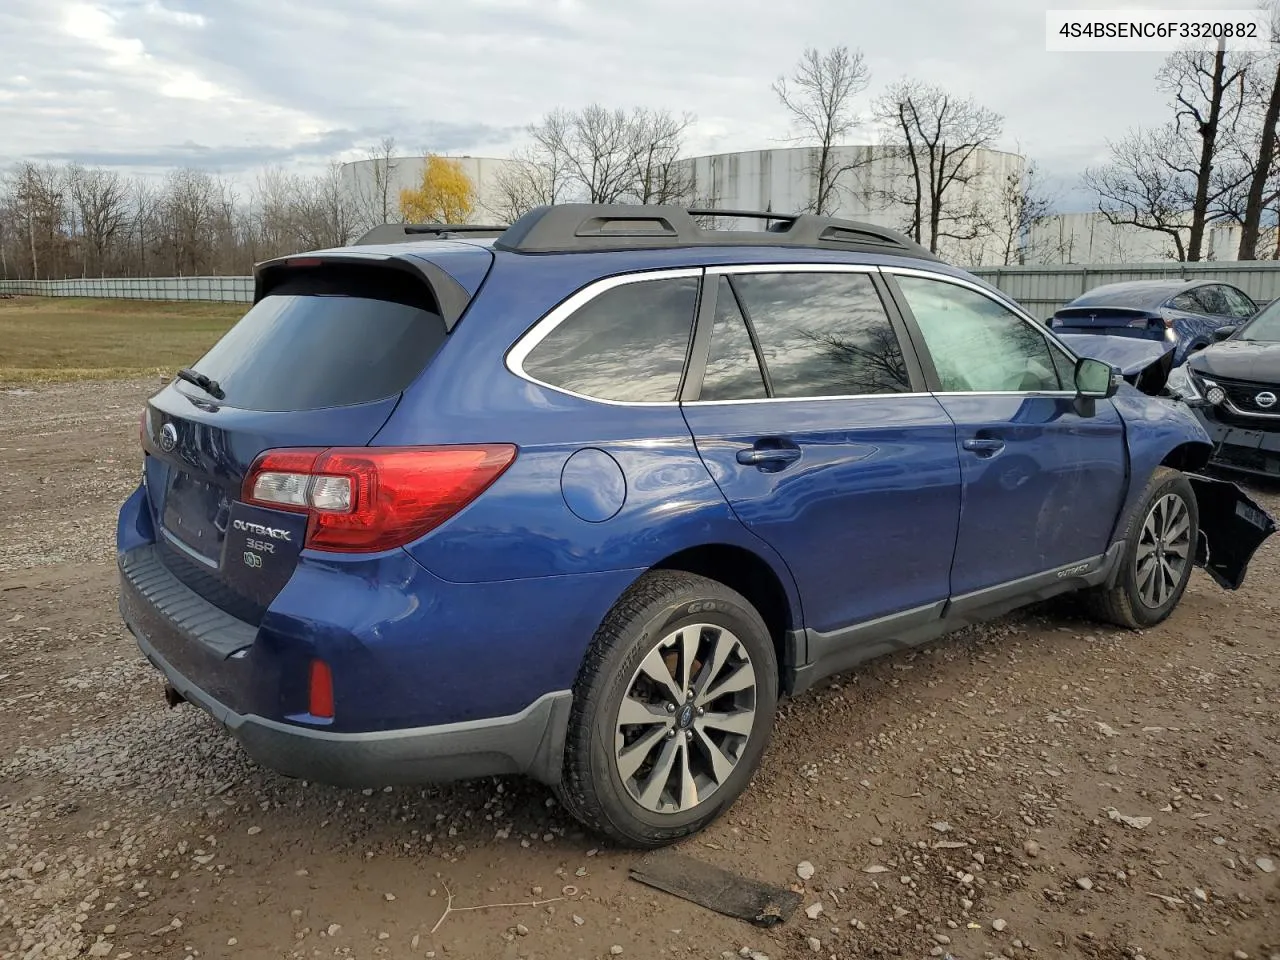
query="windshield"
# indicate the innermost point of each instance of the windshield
(1265, 326)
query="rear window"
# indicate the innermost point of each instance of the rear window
(1126, 295)
(328, 338)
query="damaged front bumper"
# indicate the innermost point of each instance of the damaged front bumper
(1241, 449)
(1232, 528)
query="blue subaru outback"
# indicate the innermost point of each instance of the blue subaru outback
(582, 498)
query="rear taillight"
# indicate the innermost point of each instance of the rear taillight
(365, 499)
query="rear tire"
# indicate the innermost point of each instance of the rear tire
(1160, 547)
(672, 710)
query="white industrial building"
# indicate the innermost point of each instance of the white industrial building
(784, 180)
(1091, 238)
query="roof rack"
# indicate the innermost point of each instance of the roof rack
(571, 227)
(404, 232)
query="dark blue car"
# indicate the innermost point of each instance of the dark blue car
(1183, 313)
(583, 501)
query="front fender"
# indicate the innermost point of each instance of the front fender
(1232, 525)
(1156, 431)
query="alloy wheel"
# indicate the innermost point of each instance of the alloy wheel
(685, 718)
(1164, 550)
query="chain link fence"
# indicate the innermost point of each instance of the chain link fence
(226, 289)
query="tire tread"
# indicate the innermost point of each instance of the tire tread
(1113, 604)
(576, 791)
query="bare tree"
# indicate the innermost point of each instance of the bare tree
(377, 199)
(934, 139)
(190, 206)
(273, 213)
(1207, 88)
(661, 175)
(327, 215)
(145, 199)
(819, 96)
(1138, 188)
(1020, 206)
(39, 204)
(519, 186)
(1262, 186)
(1255, 143)
(101, 202)
(599, 155)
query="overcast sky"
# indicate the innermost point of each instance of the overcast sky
(235, 84)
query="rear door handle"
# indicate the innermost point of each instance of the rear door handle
(755, 456)
(983, 446)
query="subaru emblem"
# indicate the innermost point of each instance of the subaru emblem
(1265, 400)
(168, 437)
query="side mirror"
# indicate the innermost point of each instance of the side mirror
(1223, 332)
(1096, 380)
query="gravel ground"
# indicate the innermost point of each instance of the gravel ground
(1036, 786)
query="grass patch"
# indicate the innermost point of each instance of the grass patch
(59, 339)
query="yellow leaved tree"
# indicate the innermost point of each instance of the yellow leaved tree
(445, 195)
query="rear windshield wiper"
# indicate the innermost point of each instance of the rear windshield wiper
(207, 384)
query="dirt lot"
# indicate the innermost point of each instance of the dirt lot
(956, 800)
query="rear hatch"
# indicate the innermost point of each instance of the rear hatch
(1111, 321)
(319, 361)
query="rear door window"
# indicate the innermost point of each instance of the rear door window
(627, 345)
(350, 337)
(823, 334)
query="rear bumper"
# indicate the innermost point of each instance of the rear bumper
(186, 637)
(530, 742)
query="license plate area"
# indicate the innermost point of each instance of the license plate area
(196, 514)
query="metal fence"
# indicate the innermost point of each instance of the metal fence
(227, 289)
(1040, 289)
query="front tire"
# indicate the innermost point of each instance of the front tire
(672, 710)
(1160, 548)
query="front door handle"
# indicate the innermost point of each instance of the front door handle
(756, 456)
(984, 446)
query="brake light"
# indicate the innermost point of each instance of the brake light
(366, 499)
(320, 690)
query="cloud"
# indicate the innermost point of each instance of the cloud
(236, 83)
(332, 143)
